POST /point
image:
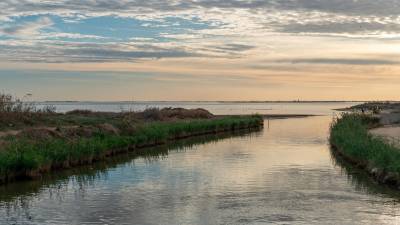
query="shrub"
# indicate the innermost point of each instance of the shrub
(15, 111)
(79, 112)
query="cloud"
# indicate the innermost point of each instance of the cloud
(338, 61)
(235, 47)
(280, 15)
(102, 54)
(226, 25)
(71, 36)
(56, 52)
(27, 29)
(349, 27)
(348, 7)
(344, 7)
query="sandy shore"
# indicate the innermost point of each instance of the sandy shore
(389, 119)
(390, 133)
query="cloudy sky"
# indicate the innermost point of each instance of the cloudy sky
(200, 49)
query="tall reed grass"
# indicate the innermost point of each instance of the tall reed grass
(350, 136)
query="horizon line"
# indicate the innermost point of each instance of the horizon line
(208, 101)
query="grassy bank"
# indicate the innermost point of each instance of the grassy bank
(88, 173)
(350, 137)
(28, 156)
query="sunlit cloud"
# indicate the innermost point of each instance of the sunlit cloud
(339, 61)
(287, 43)
(27, 29)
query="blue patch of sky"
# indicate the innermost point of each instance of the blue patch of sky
(5, 37)
(113, 28)
(17, 20)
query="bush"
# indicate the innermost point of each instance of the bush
(10, 104)
(152, 114)
(79, 112)
(157, 114)
(15, 111)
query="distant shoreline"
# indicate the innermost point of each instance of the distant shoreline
(223, 102)
(277, 116)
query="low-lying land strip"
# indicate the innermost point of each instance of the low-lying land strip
(35, 142)
(371, 106)
(366, 140)
(278, 116)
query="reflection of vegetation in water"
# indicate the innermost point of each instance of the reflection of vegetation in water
(84, 176)
(361, 180)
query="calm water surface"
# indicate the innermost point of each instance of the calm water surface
(218, 108)
(284, 174)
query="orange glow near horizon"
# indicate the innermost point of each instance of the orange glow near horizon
(217, 53)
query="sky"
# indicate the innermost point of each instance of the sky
(200, 49)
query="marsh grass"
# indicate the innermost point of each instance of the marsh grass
(350, 135)
(30, 158)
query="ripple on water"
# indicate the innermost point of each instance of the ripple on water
(283, 175)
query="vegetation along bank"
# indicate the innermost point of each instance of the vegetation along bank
(33, 142)
(350, 137)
